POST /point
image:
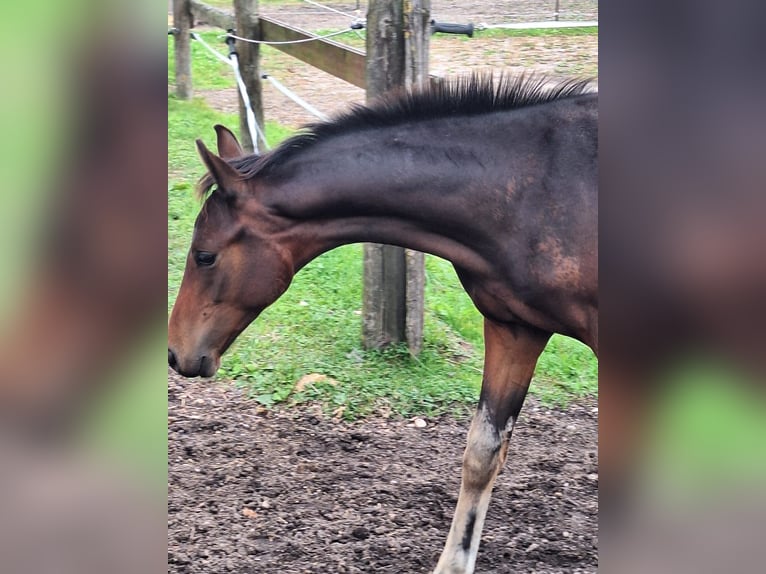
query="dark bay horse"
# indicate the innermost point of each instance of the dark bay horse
(499, 176)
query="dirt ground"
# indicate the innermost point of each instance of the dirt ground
(293, 491)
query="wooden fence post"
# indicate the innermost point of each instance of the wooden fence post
(417, 30)
(247, 26)
(393, 277)
(182, 22)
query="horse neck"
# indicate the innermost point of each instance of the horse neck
(409, 187)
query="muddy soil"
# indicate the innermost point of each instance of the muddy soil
(295, 491)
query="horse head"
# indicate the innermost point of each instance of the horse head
(235, 267)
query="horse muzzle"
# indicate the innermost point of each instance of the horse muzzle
(199, 366)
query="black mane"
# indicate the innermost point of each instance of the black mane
(470, 95)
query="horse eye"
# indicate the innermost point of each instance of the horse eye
(204, 258)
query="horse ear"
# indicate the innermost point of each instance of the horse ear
(228, 146)
(227, 178)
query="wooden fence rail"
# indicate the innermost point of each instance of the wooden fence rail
(211, 15)
(341, 61)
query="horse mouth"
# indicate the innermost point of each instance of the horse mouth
(205, 366)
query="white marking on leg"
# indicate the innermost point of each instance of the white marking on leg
(509, 427)
(484, 454)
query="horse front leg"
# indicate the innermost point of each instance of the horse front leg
(511, 352)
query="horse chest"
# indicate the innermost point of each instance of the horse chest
(493, 299)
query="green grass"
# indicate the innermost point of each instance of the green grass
(534, 32)
(208, 73)
(357, 39)
(315, 328)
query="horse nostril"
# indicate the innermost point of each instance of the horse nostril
(172, 360)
